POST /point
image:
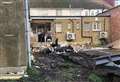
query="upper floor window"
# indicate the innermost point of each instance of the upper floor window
(58, 27)
(78, 26)
(87, 26)
(97, 26)
(69, 26)
(75, 12)
(86, 13)
(66, 12)
(58, 12)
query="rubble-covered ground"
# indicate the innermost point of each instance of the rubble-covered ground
(52, 67)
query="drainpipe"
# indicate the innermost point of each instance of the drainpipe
(27, 31)
(72, 21)
(104, 25)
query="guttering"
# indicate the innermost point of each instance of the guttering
(61, 17)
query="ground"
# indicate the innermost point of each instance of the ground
(52, 67)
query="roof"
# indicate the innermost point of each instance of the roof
(88, 4)
(111, 2)
(109, 10)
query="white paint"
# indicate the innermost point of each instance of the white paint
(64, 12)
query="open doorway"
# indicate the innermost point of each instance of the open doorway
(42, 31)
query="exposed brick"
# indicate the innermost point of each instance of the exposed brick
(115, 22)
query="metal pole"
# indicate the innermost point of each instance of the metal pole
(28, 30)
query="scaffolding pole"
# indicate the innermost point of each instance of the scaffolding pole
(28, 30)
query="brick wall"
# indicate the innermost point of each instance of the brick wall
(114, 22)
(115, 25)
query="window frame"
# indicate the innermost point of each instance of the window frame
(97, 26)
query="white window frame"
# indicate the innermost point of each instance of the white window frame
(97, 26)
(75, 12)
(58, 12)
(78, 26)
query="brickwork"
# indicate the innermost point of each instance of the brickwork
(114, 23)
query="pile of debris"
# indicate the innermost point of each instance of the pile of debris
(63, 64)
(55, 66)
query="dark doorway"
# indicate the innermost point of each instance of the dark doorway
(42, 29)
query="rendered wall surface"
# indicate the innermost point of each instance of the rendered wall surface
(12, 34)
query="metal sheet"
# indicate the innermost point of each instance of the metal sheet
(12, 35)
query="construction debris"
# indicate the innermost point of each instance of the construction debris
(63, 64)
(59, 63)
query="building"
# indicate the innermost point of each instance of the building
(68, 7)
(86, 29)
(70, 17)
(114, 14)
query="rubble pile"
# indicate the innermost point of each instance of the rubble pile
(57, 66)
(64, 64)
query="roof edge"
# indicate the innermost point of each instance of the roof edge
(108, 10)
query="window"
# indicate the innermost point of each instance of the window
(78, 26)
(58, 27)
(58, 12)
(83, 13)
(86, 13)
(69, 26)
(87, 26)
(96, 26)
(92, 12)
(87, 29)
(75, 12)
(65, 12)
(51, 12)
